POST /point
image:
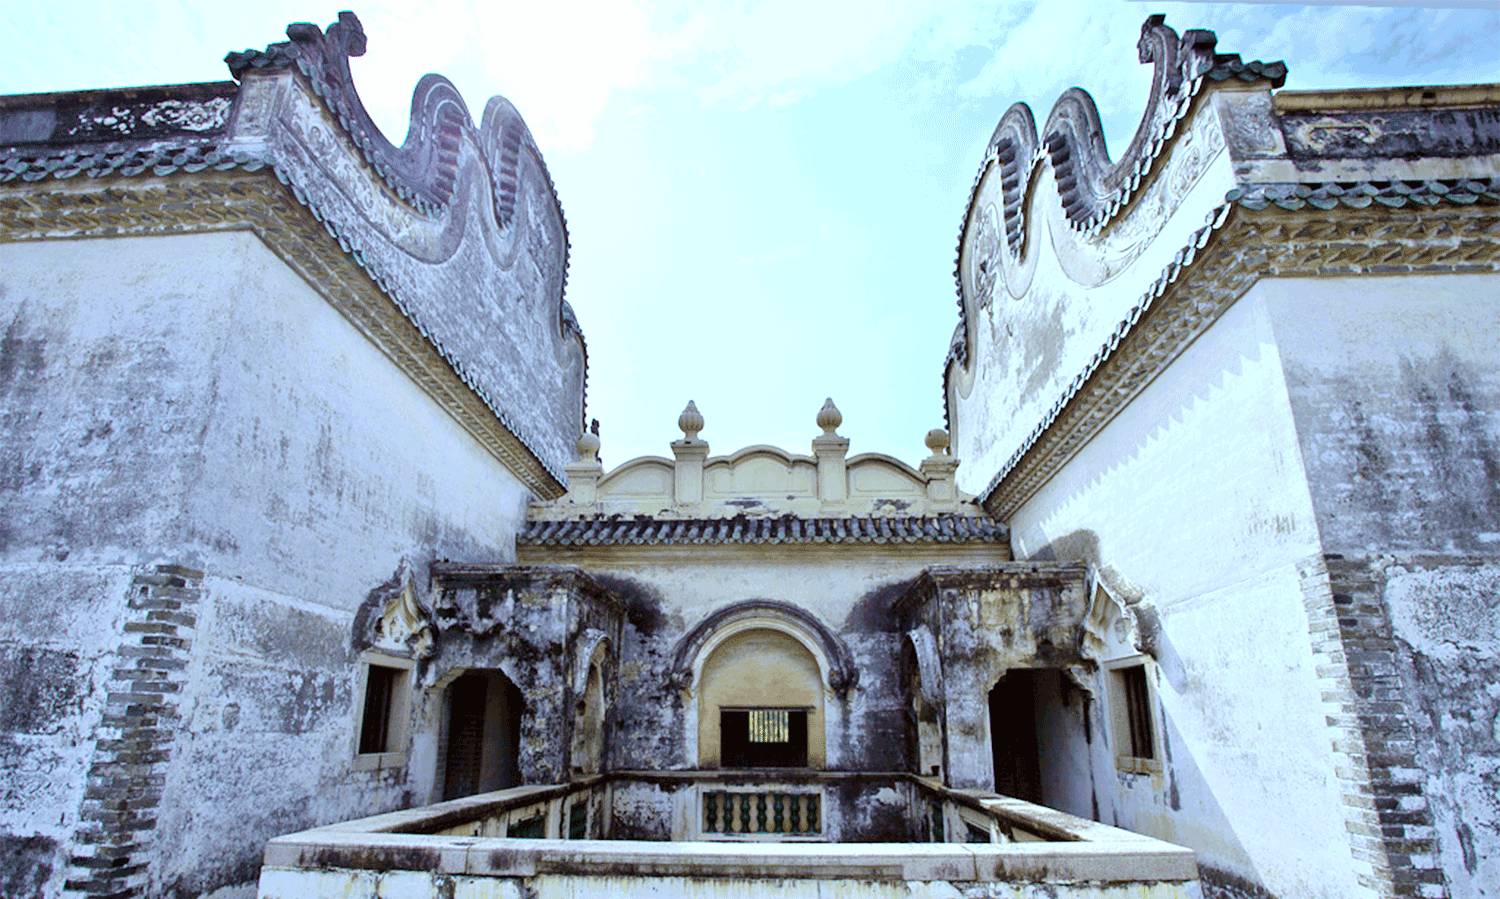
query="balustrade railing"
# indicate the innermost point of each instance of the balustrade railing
(769, 826)
(728, 814)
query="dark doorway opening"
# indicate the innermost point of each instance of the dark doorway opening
(763, 738)
(1013, 736)
(484, 734)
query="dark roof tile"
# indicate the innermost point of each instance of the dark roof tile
(647, 531)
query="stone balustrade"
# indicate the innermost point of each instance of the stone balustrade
(561, 840)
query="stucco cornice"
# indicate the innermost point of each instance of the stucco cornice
(1238, 246)
(569, 578)
(245, 196)
(925, 586)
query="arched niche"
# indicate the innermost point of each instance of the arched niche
(834, 661)
(592, 705)
(482, 710)
(760, 679)
(799, 660)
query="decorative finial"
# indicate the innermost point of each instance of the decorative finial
(829, 417)
(588, 444)
(690, 421)
(937, 441)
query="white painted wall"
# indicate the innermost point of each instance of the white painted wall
(1396, 391)
(1395, 388)
(201, 403)
(1193, 498)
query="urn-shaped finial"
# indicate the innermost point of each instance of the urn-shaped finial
(690, 421)
(588, 446)
(937, 441)
(829, 417)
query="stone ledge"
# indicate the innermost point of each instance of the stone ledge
(1143, 859)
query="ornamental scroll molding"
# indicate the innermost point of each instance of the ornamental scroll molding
(929, 665)
(586, 653)
(1239, 245)
(763, 614)
(394, 620)
(1093, 191)
(1113, 628)
(422, 217)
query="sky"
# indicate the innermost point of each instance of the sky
(763, 197)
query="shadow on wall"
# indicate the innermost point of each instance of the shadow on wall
(1185, 808)
(1198, 820)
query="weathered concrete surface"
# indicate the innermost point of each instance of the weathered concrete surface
(849, 589)
(531, 623)
(57, 638)
(1026, 846)
(286, 884)
(225, 416)
(1445, 619)
(987, 621)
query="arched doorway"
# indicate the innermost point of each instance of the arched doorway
(760, 703)
(483, 734)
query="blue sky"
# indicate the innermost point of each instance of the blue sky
(764, 198)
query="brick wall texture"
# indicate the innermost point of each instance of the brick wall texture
(1386, 812)
(133, 743)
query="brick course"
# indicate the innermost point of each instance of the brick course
(134, 741)
(1390, 825)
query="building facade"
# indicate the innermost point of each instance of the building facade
(315, 531)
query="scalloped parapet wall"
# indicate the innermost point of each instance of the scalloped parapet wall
(758, 480)
(457, 234)
(1065, 255)
(461, 223)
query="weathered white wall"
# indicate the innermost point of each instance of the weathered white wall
(190, 399)
(1193, 498)
(1396, 392)
(104, 373)
(1063, 745)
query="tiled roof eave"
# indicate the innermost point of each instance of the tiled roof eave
(786, 530)
(1263, 203)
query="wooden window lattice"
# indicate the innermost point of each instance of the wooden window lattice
(770, 726)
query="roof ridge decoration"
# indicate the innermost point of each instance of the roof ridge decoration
(647, 530)
(422, 170)
(452, 245)
(426, 173)
(1093, 189)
